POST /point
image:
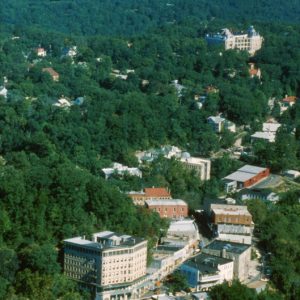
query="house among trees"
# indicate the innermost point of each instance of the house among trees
(41, 52)
(268, 132)
(254, 72)
(220, 124)
(52, 73)
(121, 170)
(3, 91)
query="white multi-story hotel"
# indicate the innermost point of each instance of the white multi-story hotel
(112, 265)
(250, 41)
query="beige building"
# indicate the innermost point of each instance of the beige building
(108, 261)
(200, 165)
(250, 41)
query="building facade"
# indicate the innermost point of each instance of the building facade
(171, 208)
(139, 198)
(231, 223)
(108, 261)
(245, 177)
(204, 271)
(250, 41)
(201, 166)
(239, 253)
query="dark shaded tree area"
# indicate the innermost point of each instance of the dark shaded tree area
(130, 17)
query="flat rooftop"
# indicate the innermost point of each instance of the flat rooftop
(194, 160)
(230, 209)
(183, 226)
(245, 173)
(206, 263)
(165, 202)
(105, 240)
(251, 169)
(239, 176)
(231, 247)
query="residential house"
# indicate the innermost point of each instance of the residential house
(268, 132)
(3, 91)
(70, 51)
(121, 170)
(41, 52)
(218, 124)
(254, 72)
(54, 75)
(63, 103)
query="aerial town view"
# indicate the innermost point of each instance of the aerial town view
(150, 150)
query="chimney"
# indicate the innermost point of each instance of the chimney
(223, 254)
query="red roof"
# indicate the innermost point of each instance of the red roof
(253, 72)
(289, 99)
(157, 192)
(51, 72)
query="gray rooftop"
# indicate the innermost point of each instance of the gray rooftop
(251, 169)
(230, 247)
(245, 173)
(165, 202)
(105, 240)
(206, 263)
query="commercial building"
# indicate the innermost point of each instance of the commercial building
(182, 230)
(121, 170)
(250, 41)
(201, 166)
(239, 253)
(139, 198)
(245, 177)
(169, 208)
(220, 124)
(204, 271)
(180, 243)
(231, 223)
(109, 264)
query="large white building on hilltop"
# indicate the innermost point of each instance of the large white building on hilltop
(250, 41)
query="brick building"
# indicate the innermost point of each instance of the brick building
(171, 208)
(231, 223)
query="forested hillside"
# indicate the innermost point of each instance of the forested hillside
(129, 17)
